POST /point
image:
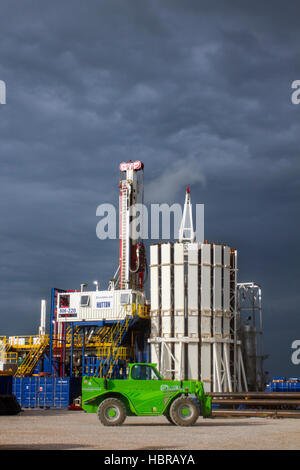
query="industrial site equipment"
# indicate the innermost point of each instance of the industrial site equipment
(250, 333)
(195, 327)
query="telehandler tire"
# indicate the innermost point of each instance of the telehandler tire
(184, 411)
(167, 415)
(112, 412)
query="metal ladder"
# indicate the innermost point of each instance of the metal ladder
(117, 336)
(32, 358)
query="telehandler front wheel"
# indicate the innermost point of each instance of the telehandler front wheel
(184, 411)
(112, 412)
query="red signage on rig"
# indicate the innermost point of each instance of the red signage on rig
(131, 166)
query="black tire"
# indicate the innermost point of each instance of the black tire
(184, 411)
(112, 412)
(167, 415)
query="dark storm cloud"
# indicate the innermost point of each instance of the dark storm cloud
(199, 91)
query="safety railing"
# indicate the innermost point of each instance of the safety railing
(113, 362)
(11, 358)
(97, 339)
(122, 352)
(27, 342)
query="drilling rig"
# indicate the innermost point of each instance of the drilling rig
(122, 307)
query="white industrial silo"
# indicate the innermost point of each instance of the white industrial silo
(193, 314)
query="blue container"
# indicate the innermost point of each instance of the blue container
(282, 384)
(46, 392)
(293, 384)
(5, 385)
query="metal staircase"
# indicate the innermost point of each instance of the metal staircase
(115, 353)
(100, 338)
(32, 358)
(6, 357)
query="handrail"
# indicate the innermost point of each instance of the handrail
(32, 357)
(11, 358)
(117, 335)
(27, 341)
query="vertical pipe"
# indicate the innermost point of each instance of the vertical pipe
(64, 350)
(42, 328)
(72, 348)
(83, 350)
(261, 352)
(243, 371)
(214, 389)
(216, 368)
(53, 290)
(227, 366)
(235, 325)
(62, 344)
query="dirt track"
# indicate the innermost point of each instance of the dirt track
(69, 430)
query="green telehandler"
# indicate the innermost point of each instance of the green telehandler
(144, 393)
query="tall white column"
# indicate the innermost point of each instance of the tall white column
(206, 355)
(155, 302)
(193, 311)
(179, 319)
(166, 305)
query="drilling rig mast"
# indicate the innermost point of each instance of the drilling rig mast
(132, 262)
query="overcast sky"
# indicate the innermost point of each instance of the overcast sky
(200, 91)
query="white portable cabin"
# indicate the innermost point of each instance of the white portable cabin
(107, 305)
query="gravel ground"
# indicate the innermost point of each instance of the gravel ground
(70, 430)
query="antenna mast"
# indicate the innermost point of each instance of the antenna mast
(186, 231)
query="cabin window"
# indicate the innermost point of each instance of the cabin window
(84, 301)
(125, 299)
(64, 301)
(144, 372)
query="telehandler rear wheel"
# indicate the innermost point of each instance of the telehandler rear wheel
(184, 411)
(112, 412)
